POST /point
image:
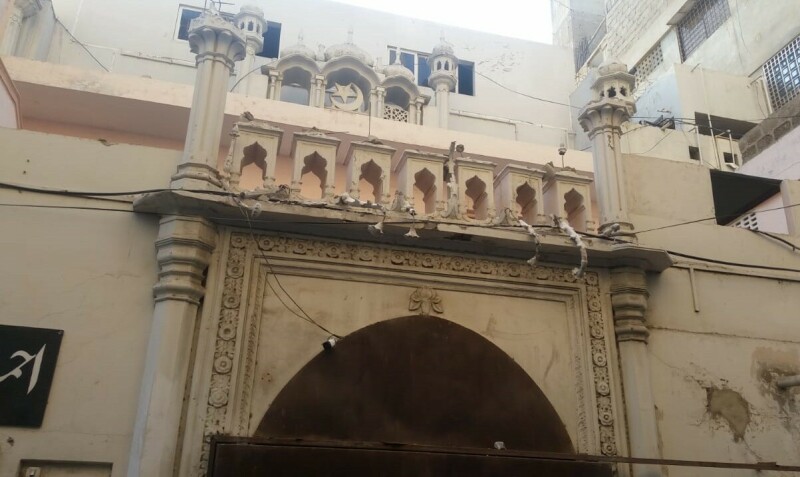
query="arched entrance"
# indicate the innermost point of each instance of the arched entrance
(399, 385)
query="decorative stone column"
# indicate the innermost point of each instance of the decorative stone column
(419, 103)
(380, 98)
(629, 300)
(319, 91)
(20, 12)
(443, 65)
(602, 119)
(250, 20)
(184, 246)
(218, 45)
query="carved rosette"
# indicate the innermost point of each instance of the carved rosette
(424, 300)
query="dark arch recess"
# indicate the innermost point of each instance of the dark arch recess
(416, 380)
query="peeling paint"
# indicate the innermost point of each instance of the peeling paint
(731, 407)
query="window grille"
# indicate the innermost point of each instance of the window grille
(782, 72)
(749, 221)
(648, 64)
(700, 23)
(395, 113)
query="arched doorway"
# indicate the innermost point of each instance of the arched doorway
(409, 384)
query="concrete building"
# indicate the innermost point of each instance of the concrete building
(707, 72)
(205, 282)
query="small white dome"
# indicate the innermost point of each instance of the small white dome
(299, 48)
(349, 49)
(443, 48)
(397, 69)
(611, 65)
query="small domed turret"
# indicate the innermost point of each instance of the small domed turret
(250, 20)
(444, 65)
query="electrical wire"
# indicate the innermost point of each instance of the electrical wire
(794, 247)
(243, 77)
(80, 43)
(305, 316)
(523, 94)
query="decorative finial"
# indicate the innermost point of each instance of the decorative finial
(397, 57)
(350, 35)
(212, 6)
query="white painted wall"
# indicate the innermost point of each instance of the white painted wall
(139, 38)
(87, 272)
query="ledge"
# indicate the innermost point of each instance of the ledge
(350, 223)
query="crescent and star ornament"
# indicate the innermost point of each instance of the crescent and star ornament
(344, 93)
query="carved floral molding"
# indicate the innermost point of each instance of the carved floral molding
(423, 300)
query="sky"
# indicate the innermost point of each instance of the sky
(526, 19)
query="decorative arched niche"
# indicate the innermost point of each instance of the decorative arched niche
(349, 85)
(400, 101)
(416, 380)
(568, 195)
(519, 189)
(368, 169)
(475, 191)
(294, 79)
(419, 179)
(314, 157)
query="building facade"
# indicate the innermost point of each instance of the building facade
(286, 279)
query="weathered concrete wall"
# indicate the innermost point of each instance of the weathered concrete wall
(714, 370)
(720, 334)
(87, 272)
(769, 147)
(740, 46)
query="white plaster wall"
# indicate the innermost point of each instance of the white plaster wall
(138, 38)
(727, 328)
(742, 337)
(87, 272)
(779, 161)
(771, 218)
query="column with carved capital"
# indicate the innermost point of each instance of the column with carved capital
(184, 246)
(218, 44)
(20, 11)
(602, 119)
(629, 299)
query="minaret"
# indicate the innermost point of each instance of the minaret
(250, 20)
(184, 248)
(218, 44)
(444, 66)
(602, 119)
